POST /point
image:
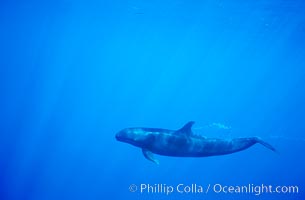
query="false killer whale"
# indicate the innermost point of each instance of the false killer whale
(183, 143)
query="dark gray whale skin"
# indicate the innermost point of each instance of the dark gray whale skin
(183, 143)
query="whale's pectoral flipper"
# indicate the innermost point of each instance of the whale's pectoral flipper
(150, 156)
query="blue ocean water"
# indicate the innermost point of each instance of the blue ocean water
(74, 73)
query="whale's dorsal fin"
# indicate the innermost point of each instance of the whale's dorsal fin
(150, 156)
(186, 129)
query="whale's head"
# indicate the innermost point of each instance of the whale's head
(135, 136)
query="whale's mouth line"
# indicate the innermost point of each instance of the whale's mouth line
(123, 139)
(118, 138)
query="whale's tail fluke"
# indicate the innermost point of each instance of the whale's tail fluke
(267, 145)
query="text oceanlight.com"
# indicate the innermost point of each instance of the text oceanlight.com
(212, 188)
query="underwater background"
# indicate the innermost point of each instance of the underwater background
(74, 73)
